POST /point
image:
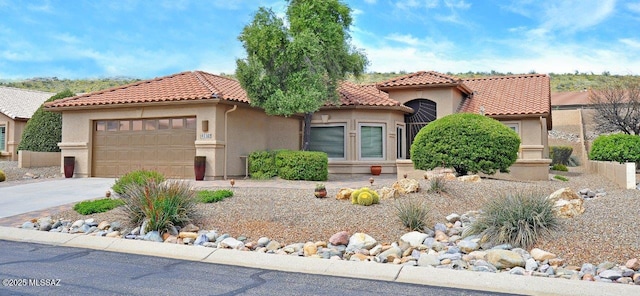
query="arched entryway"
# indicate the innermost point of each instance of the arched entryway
(424, 112)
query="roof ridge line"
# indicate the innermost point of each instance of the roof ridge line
(507, 76)
(206, 83)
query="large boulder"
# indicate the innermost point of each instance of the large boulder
(404, 186)
(447, 174)
(387, 192)
(566, 203)
(344, 193)
(502, 259)
(470, 178)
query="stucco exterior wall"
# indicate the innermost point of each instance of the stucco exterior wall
(447, 99)
(352, 118)
(14, 129)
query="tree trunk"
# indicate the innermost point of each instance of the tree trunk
(306, 134)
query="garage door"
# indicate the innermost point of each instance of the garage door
(165, 145)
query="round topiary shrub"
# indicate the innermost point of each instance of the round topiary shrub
(3, 177)
(43, 131)
(619, 147)
(466, 142)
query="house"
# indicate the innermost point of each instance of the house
(161, 124)
(16, 108)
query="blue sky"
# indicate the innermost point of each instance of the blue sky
(146, 39)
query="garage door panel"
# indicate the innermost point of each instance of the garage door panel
(170, 152)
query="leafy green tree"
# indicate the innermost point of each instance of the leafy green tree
(466, 142)
(43, 131)
(294, 65)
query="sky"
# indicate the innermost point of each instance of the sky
(77, 39)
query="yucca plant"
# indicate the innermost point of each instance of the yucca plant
(437, 185)
(139, 177)
(412, 213)
(163, 205)
(518, 218)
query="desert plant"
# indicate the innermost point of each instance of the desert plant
(559, 167)
(211, 196)
(365, 197)
(162, 205)
(438, 185)
(140, 178)
(518, 218)
(560, 154)
(618, 147)
(466, 142)
(412, 213)
(3, 177)
(43, 131)
(89, 207)
(574, 161)
(561, 178)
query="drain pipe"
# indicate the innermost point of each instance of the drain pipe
(226, 143)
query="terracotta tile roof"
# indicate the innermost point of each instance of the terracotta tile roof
(185, 86)
(363, 95)
(420, 79)
(509, 95)
(21, 103)
(570, 98)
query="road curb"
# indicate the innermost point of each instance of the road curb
(462, 279)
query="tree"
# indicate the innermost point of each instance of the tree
(466, 142)
(43, 131)
(295, 65)
(617, 107)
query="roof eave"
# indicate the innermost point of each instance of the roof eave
(416, 86)
(130, 105)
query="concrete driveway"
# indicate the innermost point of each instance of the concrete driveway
(23, 198)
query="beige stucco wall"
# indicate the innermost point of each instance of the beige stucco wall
(30, 159)
(14, 129)
(623, 174)
(447, 99)
(249, 130)
(352, 118)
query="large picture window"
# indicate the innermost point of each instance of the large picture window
(329, 139)
(3, 137)
(372, 141)
(400, 142)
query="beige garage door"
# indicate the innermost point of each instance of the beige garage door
(165, 145)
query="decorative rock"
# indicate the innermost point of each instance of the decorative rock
(310, 249)
(116, 226)
(231, 243)
(113, 234)
(414, 238)
(263, 241)
(359, 257)
(171, 239)
(390, 254)
(404, 186)
(375, 250)
(344, 194)
(447, 174)
(190, 228)
(386, 193)
(212, 236)
(610, 274)
(361, 240)
(567, 204)
(77, 223)
(588, 268)
(89, 221)
(273, 245)
(502, 259)
(517, 271)
(45, 226)
(541, 255)
(201, 239)
(104, 225)
(28, 225)
(633, 264)
(555, 262)
(153, 236)
(440, 226)
(606, 265)
(531, 265)
(186, 240)
(441, 236)
(483, 266)
(470, 178)
(453, 218)
(467, 246)
(588, 277)
(340, 238)
(185, 234)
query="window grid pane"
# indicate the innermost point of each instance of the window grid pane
(328, 139)
(371, 142)
(3, 133)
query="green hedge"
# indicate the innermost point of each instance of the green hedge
(619, 147)
(89, 207)
(262, 164)
(209, 196)
(560, 154)
(302, 165)
(43, 131)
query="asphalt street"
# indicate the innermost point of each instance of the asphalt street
(35, 269)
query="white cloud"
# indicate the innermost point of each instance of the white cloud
(576, 14)
(630, 42)
(459, 4)
(635, 7)
(370, 1)
(407, 39)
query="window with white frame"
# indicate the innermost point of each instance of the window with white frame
(372, 142)
(3, 137)
(329, 139)
(400, 142)
(515, 126)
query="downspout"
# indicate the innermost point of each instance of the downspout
(226, 129)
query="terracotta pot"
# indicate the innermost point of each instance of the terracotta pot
(69, 166)
(376, 170)
(320, 193)
(199, 166)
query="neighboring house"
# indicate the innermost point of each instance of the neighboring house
(571, 100)
(161, 124)
(16, 108)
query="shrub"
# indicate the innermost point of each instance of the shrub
(466, 142)
(139, 178)
(559, 167)
(412, 213)
(97, 206)
(519, 219)
(43, 131)
(3, 177)
(163, 205)
(561, 178)
(560, 154)
(365, 197)
(619, 147)
(262, 164)
(209, 196)
(574, 161)
(302, 165)
(437, 184)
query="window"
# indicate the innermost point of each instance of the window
(329, 139)
(515, 126)
(372, 141)
(3, 136)
(400, 142)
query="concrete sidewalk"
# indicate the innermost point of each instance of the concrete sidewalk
(23, 198)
